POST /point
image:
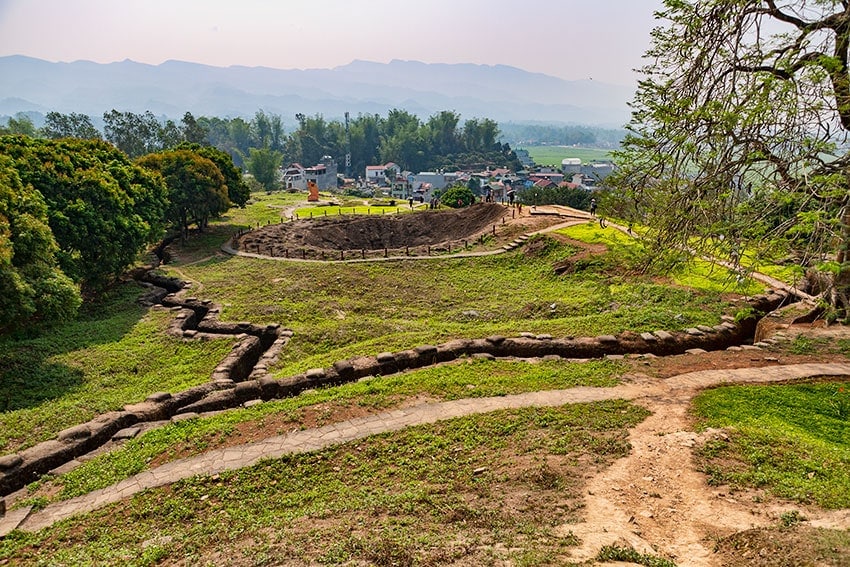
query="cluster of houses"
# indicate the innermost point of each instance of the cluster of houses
(498, 184)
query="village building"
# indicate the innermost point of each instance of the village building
(382, 175)
(324, 175)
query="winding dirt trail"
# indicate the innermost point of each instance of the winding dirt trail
(655, 500)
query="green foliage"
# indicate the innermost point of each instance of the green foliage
(19, 124)
(197, 189)
(133, 134)
(263, 164)
(710, 156)
(101, 208)
(58, 125)
(457, 197)
(789, 440)
(33, 290)
(237, 190)
(626, 252)
(630, 555)
(576, 197)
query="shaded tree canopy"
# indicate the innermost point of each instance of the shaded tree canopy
(263, 164)
(739, 131)
(457, 196)
(196, 187)
(238, 192)
(102, 209)
(33, 289)
(133, 134)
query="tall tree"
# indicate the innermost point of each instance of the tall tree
(19, 124)
(403, 141)
(739, 131)
(196, 187)
(443, 132)
(192, 131)
(317, 138)
(267, 131)
(237, 191)
(58, 125)
(240, 134)
(263, 164)
(133, 134)
(33, 289)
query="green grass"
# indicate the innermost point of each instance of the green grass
(471, 379)
(425, 495)
(592, 233)
(553, 155)
(116, 354)
(697, 274)
(809, 345)
(342, 310)
(264, 208)
(788, 440)
(630, 555)
(359, 210)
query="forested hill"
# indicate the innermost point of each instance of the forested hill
(498, 92)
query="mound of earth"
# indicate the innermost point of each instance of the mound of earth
(376, 232)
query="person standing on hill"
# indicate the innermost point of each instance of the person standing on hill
(593, 207)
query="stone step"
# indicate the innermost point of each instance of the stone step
(12, 519)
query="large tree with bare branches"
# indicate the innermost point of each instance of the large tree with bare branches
(738, 140)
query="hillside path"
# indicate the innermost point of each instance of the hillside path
(653, 499)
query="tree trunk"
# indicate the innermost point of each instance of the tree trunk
(840, 296)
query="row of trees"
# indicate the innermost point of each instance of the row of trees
(441, 142)
(74, 215)
(261, 145)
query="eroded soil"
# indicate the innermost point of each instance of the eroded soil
(376, 232)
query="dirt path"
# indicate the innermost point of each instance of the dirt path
(655, 500)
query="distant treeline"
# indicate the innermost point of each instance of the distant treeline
(261, 144)
(547, 134)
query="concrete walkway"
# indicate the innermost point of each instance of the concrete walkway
(683, 386)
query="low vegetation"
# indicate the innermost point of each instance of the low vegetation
(470, 379)
(116, 354)
(788, 441)
(495, 487)
(338, 311)
(500, 487)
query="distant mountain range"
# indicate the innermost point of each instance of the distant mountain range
(502, 93)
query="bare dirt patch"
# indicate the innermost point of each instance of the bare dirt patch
(376, 232)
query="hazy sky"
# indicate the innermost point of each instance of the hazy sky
(571, 39)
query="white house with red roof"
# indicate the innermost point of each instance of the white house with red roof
(382, 174)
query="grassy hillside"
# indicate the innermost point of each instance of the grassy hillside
(497, 488)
